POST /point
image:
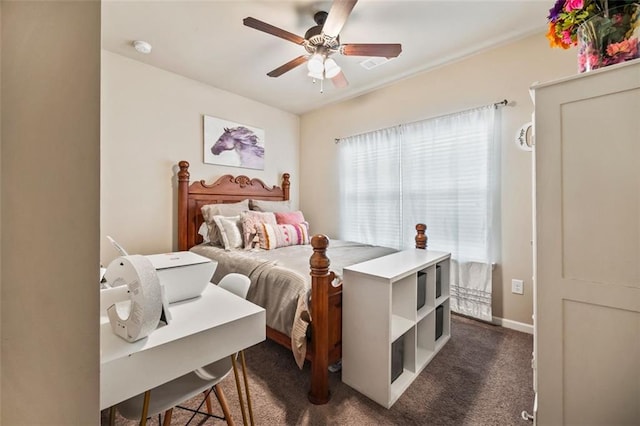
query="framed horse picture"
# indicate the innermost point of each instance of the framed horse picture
(232, 144)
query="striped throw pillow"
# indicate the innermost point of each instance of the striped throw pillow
(274, 236)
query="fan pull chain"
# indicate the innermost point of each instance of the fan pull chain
(314, 81)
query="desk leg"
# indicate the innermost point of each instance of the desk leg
(145, 408)
(238, 387)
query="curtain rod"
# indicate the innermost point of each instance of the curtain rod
(502, 103)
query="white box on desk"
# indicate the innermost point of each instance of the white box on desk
(183, 274)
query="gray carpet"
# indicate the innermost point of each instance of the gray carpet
(482, 376)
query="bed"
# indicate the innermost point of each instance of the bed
(301, 295)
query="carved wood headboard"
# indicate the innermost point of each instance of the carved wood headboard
(227, 189)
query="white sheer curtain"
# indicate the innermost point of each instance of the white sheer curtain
(443, 172)
(370, 206)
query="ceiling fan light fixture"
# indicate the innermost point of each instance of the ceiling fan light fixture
(316, 63)
(323, 40)
(316, 75)
(331, 69)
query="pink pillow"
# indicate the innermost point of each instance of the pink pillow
(289, 218)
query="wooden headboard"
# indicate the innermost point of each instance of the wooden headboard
(227, 189)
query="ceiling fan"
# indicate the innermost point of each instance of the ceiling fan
(323, 40)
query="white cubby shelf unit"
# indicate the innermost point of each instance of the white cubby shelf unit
(395, 318)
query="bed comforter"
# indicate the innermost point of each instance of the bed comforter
(281, 281)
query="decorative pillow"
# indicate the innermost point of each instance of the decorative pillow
(250, 221)
(226, 209)
(271, 206)
(289, 218)
(229, 231)
(272, 237)
(203, 231)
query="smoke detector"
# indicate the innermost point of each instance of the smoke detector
(142, 46)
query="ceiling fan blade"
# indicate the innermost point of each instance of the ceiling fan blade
(270, 29)
(340, 81)
(338, 14)
(383, 50)
(288, 66)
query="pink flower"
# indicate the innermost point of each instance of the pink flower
(582, 62)
(588, 61)
(626, 48)
(566, 37)
(573, 5)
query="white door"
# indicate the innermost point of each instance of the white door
(588, 248)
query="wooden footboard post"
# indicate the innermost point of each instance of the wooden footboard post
(421, 238)
(183, 195)
(321, 279)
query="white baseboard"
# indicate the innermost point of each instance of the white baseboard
(514, 325)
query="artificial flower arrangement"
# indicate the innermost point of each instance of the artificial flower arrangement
(606, 31)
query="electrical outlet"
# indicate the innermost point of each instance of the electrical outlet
(517, 286)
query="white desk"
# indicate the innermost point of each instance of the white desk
(202, 330)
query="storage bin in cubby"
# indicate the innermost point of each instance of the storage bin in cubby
(439, 321)
(397, 358)
(422, 289)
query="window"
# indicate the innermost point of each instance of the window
(443, 172)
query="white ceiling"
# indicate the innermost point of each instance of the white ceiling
(206, 41)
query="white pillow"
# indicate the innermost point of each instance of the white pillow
(221, 209)
(229, 231)
(204, 232)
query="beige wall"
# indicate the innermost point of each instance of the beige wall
(50, 212)
(151, 119)
(504, 72)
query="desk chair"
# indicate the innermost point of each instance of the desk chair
(166, 396)
(237, 284)
(202, 380)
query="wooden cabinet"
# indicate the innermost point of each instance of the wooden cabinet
(395, 318)
(587, 248)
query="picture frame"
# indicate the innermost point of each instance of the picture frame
(228, 143)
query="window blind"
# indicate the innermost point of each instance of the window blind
(442, 172)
